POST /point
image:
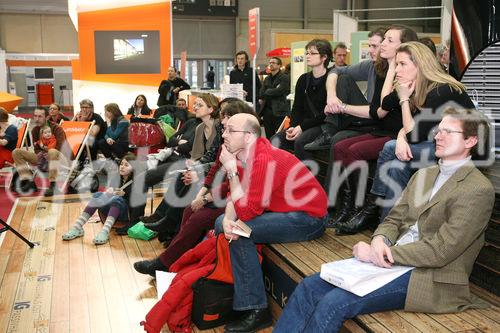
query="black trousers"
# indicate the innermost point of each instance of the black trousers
(117, 149)
(279, 140)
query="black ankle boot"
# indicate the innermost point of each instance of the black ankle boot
(322, 142)
(155, 217)
(347, 207)
(366, 217)
(252, 321)
(345, 211)
(150, 266)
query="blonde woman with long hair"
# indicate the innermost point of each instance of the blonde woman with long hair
(420, 90)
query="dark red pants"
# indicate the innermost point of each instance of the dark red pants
(193, 227)
(364, 147)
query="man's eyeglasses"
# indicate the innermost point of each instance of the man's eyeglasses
(230, 131)
(310, 53)
(85, 107)
(272, 63)
(444, 131)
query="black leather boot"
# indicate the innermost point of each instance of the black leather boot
(366, 217)
(252, 321)
(322, 142)
(347, 207)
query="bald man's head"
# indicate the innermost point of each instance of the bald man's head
(247, 122)
(240, 133)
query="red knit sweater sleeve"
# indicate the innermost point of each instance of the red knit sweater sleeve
(209, 179)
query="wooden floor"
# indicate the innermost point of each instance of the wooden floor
(71, 286)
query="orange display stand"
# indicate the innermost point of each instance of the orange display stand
(8, 101)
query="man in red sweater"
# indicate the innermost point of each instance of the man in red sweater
(277, 197)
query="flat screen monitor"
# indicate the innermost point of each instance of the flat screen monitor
(127, 52)
(44, 73)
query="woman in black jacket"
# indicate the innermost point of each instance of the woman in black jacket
(140, 107)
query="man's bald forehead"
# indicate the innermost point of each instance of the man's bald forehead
(243, 118)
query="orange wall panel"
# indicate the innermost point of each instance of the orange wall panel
(144, 17)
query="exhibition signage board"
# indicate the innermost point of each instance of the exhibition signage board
(254, 31)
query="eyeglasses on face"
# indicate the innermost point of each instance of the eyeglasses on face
(83, 107)
(310, 53)
(230, 131)
(444, 131)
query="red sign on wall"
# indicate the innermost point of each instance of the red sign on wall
(254, 31)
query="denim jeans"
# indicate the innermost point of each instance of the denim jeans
(249, 291)
(318, 306)
(390, 183)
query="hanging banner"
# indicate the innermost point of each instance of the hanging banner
(254, 31)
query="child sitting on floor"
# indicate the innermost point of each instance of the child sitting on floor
(113, 204)
(47, 141)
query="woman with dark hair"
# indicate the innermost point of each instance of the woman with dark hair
(140, 107)
(307, 113)
(115, 141)
(116, 203)
(422, 88)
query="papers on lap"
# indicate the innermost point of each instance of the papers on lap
(242, 229)
(360, 278)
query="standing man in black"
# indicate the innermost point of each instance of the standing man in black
(273, 103)
(210, 77)
(242, 73)
(169, 89)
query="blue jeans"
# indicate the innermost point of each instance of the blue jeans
(389, 183)
(249, 291)
(318, 306)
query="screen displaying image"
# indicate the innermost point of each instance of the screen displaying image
(128, 48)
(127, 52)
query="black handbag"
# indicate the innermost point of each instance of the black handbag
(212, 303)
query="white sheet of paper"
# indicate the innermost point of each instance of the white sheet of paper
(358, 277)
(163, 281)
